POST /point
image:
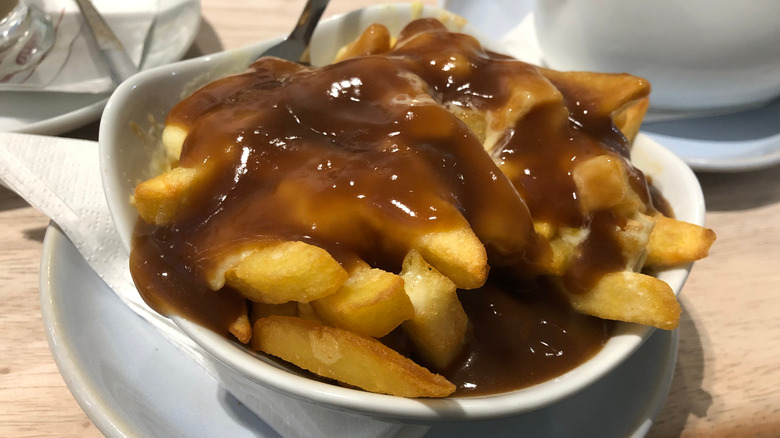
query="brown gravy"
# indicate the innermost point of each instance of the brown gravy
(350, 156)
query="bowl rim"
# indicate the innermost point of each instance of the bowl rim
(663, 165)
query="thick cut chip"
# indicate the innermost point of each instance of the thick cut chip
(629, 119)
(347, 357)
(173, 138)
(159, 199)
(374, 40)
(563, 245)
(619, 95)
(439, 325)
(674, 242)
(633, 239)
(371, 302)
(602, 183)
(630, 297)
(457, 253)
(286, 271)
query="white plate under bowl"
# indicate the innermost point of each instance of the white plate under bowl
(38, 112)
(125, 160)
(132, 382)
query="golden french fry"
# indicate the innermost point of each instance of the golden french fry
(674, 242)
(371, 302)
(622, 96)
(347, 357)
(629, 119)
(173, 137)
(563, 244)
(609, 92)
(439, 325)
(630, 297)
(474, 120)
(602, 183)
(374, 40)
(159, 199)
(457, 253)
(241, 328)
(529, 91)
(633, 238)
(286, 271)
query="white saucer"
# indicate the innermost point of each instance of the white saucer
(747, 140)
(174, 29)
(132, 382)
(740, 141)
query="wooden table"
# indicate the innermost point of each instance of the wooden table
(727, 380)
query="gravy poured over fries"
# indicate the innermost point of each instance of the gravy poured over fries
(403, 197)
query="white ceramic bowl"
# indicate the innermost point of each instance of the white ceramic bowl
(129, 137)
(697, 54)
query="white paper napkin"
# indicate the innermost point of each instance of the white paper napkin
(74, 64)
(61, 177)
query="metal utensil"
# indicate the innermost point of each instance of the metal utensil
(120, 65)
(296, 46)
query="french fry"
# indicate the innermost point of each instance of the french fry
(633, 239)
(241, 328)
(609, 92)
(629, 118)
(439, 325)
(529, 91)
(674, 242)
(457, 253)
(563, 243)
(375, 39)
(173, 138)
(602, 183)
(630, 297)
(347, 357)
(286, 271)
(371, 302)
(159, 199)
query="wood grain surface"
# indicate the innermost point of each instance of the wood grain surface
(727, 379)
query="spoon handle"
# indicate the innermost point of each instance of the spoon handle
(295, 46)
(120, 65)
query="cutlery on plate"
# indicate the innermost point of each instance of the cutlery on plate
(120, 65)
(296, 46)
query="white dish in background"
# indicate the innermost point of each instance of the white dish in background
(132, 382)
(742, 141)
(35, 112)
(494, 18)
(730, 142)
(698, 54)
(125, 159)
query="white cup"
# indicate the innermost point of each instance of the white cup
(697, 54)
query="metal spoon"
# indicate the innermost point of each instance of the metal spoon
(296, 46)
(120, 65)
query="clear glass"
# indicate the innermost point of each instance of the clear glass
(26, 35)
